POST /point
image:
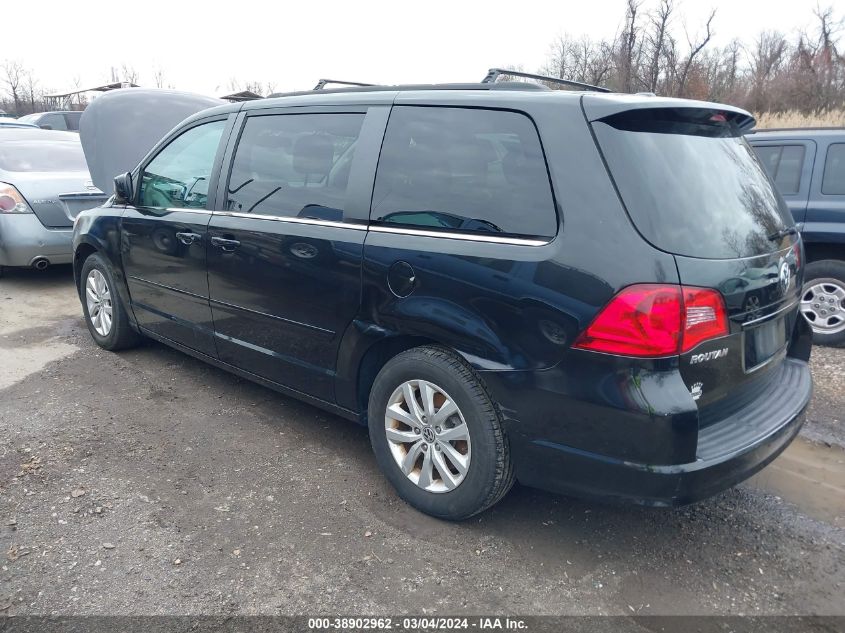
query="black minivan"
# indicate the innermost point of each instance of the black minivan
(590, 293)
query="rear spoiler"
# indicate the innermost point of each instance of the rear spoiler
(599, 107)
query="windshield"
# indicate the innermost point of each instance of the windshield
(42, 156)
(691, 184)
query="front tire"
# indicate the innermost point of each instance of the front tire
(823, 301)
(437, 434)
(105, 315)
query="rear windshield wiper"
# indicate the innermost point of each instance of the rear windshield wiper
(790, 230)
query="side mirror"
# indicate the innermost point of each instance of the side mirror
(123, 188)
(46, 126)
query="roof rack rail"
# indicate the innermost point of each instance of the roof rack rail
(322, 83)
(494, 73)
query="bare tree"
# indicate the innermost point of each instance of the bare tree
(628, 48)
(766, 60)
(13, 75)
(656, 40)
(695, 49)
(130, 75)
(31, 82)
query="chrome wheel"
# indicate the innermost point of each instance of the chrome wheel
(428, 436)
(98, 299)
(823, 305)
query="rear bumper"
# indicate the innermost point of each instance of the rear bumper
(23, 239)
(729, 450)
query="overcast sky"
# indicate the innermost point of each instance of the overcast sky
(201, 46)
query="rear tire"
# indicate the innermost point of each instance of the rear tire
(823, 301)
(458, 407)
(109, 325)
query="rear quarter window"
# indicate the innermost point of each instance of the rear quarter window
(784, 164)
(833, 181)
(463, 170)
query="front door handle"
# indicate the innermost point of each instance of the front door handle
(225, 245)
(188, 238)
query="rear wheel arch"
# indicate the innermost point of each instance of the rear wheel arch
(376, 357)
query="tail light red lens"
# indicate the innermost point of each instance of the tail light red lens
(651, 320)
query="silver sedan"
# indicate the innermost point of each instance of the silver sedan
(44, 184)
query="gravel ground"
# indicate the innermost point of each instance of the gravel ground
(148, 483)
(826, 417)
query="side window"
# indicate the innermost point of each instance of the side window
(294, 165)
(784, 164)
(465, 170)
(833, 181)
(53, 121)
(72, 119)
(178, 176)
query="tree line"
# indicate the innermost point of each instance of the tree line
(654, 50)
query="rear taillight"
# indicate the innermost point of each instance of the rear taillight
(11, 201)
(705, 316)
(796, 251)
(651, 320)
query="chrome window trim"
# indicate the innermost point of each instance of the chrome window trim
(293, 220)
(467, 237)
(181, 210)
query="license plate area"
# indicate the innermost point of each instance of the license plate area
(764, 341)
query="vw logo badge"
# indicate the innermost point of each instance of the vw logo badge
(784, 277)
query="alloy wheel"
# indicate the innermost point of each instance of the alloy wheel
(428, 436)
(98, 299)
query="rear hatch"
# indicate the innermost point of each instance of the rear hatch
(51, 174)
(694, 188)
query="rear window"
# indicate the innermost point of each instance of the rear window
(41, 156)
(691, 183)
(833, 181)
(73, 119)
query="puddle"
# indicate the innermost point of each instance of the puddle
(810, 475)
(32, 359)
